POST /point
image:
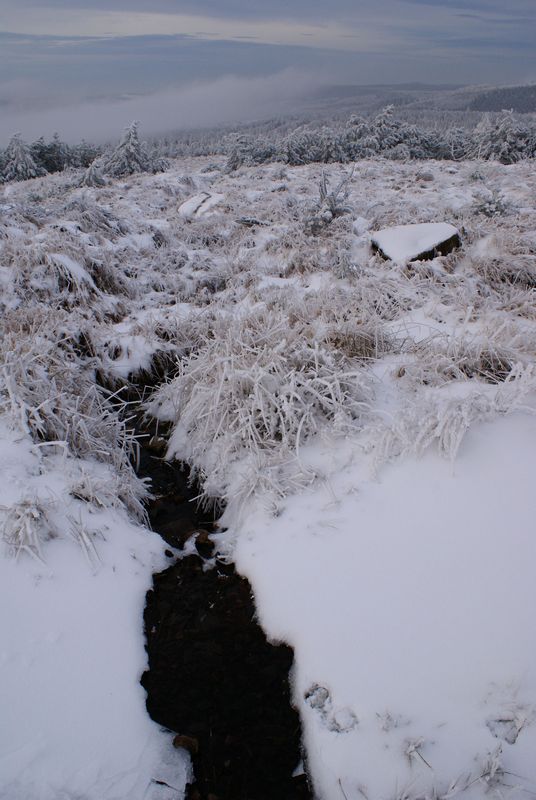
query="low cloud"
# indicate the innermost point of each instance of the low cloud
(226, 100)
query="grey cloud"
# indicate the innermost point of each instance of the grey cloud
(142, 64)
(513, 9)
(227, 9)
(489, 20)
(310, 10)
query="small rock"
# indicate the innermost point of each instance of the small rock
(188, 743)
(159, 239)
(156, 444)
(204, 545)
(250, 222)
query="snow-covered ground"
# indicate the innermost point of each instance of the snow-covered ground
(73, 716)
(368, 423)
(410, 602)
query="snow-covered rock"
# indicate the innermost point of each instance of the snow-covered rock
(411, 242)
(199, 204)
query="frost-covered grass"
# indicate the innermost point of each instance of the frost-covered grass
(297, 368)
(256, 388)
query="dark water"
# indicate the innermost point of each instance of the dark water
(213, 678)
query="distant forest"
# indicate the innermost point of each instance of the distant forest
(521, 99)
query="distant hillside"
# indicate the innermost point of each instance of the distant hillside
(518, 98)
(422, 97)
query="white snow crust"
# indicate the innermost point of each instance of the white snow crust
(409, 600)
(74, 722)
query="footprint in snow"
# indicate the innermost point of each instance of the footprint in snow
(338, 720)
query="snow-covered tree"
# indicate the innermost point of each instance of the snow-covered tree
(38, 150)
(53, 156)
(355, 132)
(93, 176)
(456, 144)
(19, 164)
(58, 155)
(249, 150)
(304, 146)
(386, 129)
(504, 139)
(84, 154)
(129, 156)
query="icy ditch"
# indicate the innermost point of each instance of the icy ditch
(213, 678)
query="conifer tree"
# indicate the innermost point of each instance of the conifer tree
(19, 164)
(57, 155)
(129, 156)
(84, 154)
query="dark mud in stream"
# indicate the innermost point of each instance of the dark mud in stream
(213, 678)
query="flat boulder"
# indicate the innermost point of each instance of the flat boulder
(427, 240)
(199, 204)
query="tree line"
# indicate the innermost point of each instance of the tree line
(502, 137)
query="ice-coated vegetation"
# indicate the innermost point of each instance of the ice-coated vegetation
(293, 364)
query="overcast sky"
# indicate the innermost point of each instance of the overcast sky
(87, 63)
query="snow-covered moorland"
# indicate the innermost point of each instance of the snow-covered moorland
(366, 422)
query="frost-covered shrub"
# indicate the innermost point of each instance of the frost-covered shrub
(248, 151)
(53, 156)
(332, 203)
(501, 137)
(400, 152)
(303, 147)
(456, 144)
(492, 204)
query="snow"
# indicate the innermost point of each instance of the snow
(133, 354)
(74, 269)
(73, 712)
(410, 601)
(404, 242)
